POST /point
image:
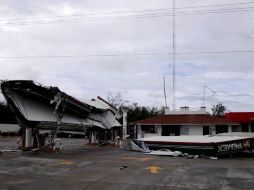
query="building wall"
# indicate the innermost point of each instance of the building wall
(150, 135)
(196, 130)
(186, 130)
(191, 130)
(141, 133)
(5, 128)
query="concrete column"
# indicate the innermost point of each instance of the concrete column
(135, 131)
(112, 135)
(23, 137)
(29, 138)
(230, 128)
(139, 135)
(159, 130)
(124, 123)
(93, 140)
(106, 136)
(212, 130)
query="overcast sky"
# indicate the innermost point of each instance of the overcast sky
(107, 39)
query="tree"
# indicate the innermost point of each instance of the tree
(219, 110)
(116, 100)
(137, 112)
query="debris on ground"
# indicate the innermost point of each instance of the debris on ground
(123, 167)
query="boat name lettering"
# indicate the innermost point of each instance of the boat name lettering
(227, 147)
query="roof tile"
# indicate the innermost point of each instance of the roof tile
(190, 119)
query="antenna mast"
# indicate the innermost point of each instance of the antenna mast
(204, 93)
(173, 55)
(164, 88)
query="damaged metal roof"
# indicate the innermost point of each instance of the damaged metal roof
(35, 105)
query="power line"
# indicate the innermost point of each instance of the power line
(244, 9)
(184, 13)
(87, 14)
(127, 54)
(81, 56)
(215, 5)
(129, 11)
(217, 52)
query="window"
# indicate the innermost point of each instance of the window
(184, 130)
(252, 127)
(170, 130)
(236, 128)
(148, 129)
(206, 130)
(221, 129)
(245, 127)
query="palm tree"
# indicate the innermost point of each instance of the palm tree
(219, 110)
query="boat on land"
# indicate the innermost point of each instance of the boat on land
(217, 145)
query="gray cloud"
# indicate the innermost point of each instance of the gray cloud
(139, 78)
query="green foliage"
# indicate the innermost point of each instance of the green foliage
(219, 110)
(136, 112)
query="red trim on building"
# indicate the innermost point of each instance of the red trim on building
(240, 117)
(191, 119)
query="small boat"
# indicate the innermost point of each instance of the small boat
(201, 145)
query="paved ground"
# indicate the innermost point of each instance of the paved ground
(81, 166)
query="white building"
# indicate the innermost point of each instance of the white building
(9, 128)
(184, 122)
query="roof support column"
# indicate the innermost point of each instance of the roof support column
(158, 129)
(212, 130)
(139, 132)
(28, 138)
(230, 129)
(124, 123)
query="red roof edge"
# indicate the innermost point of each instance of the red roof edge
(240, 117)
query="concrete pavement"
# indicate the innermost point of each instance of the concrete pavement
(81, 166)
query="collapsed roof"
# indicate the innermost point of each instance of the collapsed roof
(38, 106)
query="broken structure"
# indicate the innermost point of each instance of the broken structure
(38, 108)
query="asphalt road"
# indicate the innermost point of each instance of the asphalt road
(81, 166)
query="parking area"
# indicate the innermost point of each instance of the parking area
(81, 166)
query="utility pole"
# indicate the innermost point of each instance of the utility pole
(173, 55)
